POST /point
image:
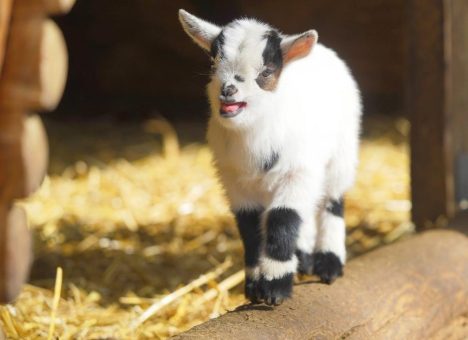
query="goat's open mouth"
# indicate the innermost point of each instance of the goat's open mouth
(229, 110)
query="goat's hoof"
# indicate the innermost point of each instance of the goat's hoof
(274, 292)
(306, 263)
(251, 290)
(327, 266)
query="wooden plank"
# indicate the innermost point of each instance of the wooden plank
(5, 11)
(427, 103)
(407, 290)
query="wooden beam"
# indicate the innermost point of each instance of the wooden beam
(407, 290)
(428, 104)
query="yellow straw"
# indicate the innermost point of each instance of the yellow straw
(57, 290)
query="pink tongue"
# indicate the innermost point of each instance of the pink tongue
(231, 107)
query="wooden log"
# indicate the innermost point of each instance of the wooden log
(15, 251)
(407, 290)
(5, 11)
(43, 7)
(35, 66)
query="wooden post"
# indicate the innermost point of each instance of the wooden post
(407, 290)
(437, 70)
(457, 52)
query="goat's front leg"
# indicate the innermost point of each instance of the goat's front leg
(278, 262)
(248, 223)
(292, 209)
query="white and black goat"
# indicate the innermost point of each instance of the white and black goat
(284, 130)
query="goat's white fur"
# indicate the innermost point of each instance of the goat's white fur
(311, 120)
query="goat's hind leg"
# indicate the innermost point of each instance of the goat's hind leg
(305, 246)
(330, 251)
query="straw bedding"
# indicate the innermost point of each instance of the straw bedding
(134, 239)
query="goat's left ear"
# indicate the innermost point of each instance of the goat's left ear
(201, 31)
(298, 46)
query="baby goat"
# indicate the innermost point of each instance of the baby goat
(284, 130)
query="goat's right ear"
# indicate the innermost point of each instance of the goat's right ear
(201, 31)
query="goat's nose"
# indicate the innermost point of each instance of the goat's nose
(228, 91)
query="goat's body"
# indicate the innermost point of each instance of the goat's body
(312, 125)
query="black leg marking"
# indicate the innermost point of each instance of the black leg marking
(248, 222)
(274, 292)
(282, 229)
(251, 290)
(336, 207)
(306, 263)
(269, 163)
(327, 266)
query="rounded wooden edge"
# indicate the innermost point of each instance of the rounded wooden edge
(35, 66)
(35, 152)
(54, 66)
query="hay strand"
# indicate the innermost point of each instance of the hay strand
(55, 303)
(170, 298)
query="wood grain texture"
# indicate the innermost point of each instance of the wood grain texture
(35, 67)
(427, 105)
(407, 290)
(5, 11)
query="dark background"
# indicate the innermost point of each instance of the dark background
(131, 59)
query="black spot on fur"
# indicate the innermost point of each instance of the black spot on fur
(306, 263)
(217, 45)
(270, 162)
(272, 54)
(274, 292)
(327, 266)
(281, 235)
(336, 207)
(248, 222)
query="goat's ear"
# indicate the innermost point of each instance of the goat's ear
(298, 46)
(201, 31)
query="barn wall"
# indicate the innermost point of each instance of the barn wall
(132, 57)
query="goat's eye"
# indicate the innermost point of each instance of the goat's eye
(266, 72)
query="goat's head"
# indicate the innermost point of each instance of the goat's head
(247, 60)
